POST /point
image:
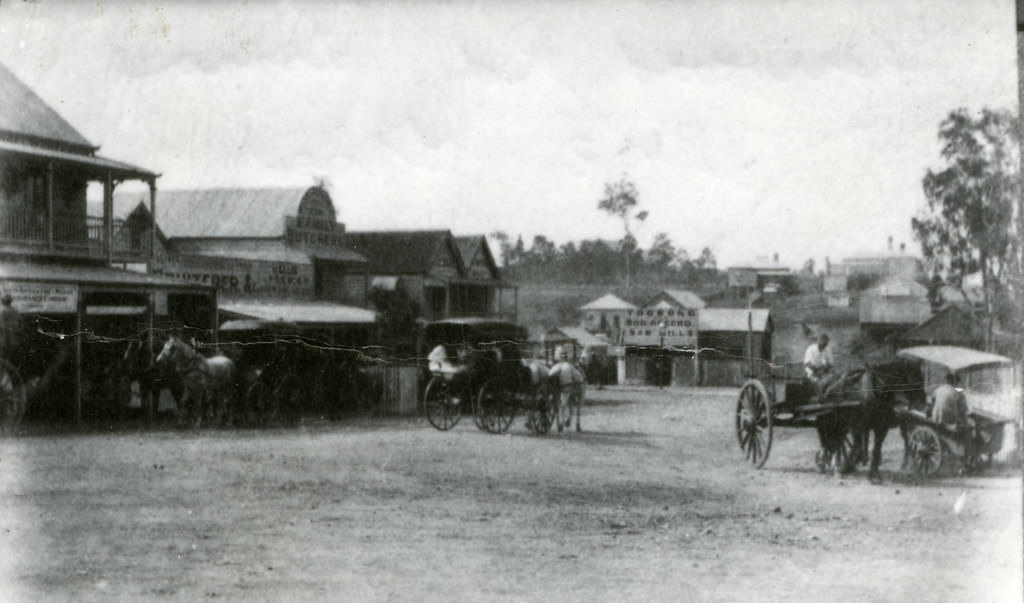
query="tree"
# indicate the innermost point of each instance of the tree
(662, 251)
(706, 261)
(968, 221)
(621, 200)
(397, 312)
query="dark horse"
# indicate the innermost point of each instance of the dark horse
(879, 389)
(207, 382)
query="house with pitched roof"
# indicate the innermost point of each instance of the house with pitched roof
(55, 258)
(446, 276)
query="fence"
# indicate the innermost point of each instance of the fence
(83, 234)
(400, 386)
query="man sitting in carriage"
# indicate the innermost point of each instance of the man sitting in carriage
(818, 364)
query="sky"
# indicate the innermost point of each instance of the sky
(750, 127)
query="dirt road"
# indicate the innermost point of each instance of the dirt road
(651, 503)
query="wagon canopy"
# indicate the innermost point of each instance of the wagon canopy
(954, 358)
(473, 331)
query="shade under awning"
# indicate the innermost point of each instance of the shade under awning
(303, 313)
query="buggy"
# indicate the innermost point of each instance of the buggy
(482, 371)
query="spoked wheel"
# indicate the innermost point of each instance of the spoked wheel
(288, 396)
(542, 413)
(754, 422)
(443, 412)
(925, 450)
(495, 410)
(12, 397)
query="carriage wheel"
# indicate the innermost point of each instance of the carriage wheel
(12, 397)
(492, 412)
(289, 399)
(542, 414)
(442, 411)
(754, 422)
(258, 404)
(925, 450)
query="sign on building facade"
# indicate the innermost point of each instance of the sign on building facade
(661, 324)
(42, 298)
(315, 223)
(243, 278)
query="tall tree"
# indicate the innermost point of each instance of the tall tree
(621, 200)
(968, 221)
(662, 251)
(504, 246)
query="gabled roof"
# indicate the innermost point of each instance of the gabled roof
(951, 324)
(686, 299)
(24, 114)
(764, 265)
(218, 212)
(608, 301)
(403, 251)
(472, 247)
(580, 336)
(734, 319)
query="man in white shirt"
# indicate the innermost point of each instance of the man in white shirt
(818, 364)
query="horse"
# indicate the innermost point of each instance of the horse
(206, 382)
(569, 384)
(879, 389)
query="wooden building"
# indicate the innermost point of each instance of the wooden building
(734, 343)
(55, 262)
(445, 276)
(277, 252)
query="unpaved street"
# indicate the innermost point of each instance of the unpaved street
(652, 502)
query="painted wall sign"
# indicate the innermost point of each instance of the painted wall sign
(244, 278)
(42, 298)
(675, 327)
(315, 223)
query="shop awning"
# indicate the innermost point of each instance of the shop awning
(118, 168)
(302, 313)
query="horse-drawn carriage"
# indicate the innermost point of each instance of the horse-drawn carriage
(270, 389)
(930, 444)
(874, 398)
(476, 365)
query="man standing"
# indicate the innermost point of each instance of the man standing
(949, 409)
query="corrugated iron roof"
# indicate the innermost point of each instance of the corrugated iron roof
(218, 212)
(955, 358)
(82, 274)
(907, 311)
(23, 112)
(401, 252)
(119, 168)
(580, 336)
(300, 312)
(686, 299)
(734, 319)
(608, 301)
(897, 287)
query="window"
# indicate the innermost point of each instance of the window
(660, 312)
(615, 321)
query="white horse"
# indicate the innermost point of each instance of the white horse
(568, 384)
(207, 382)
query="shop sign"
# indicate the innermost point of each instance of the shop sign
(42, 298)
(675, 327)
(243, 277)
(315, 223)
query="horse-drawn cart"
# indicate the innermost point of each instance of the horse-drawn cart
(930, 444)
(783, 398)
(476, 364)
(270, 387)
